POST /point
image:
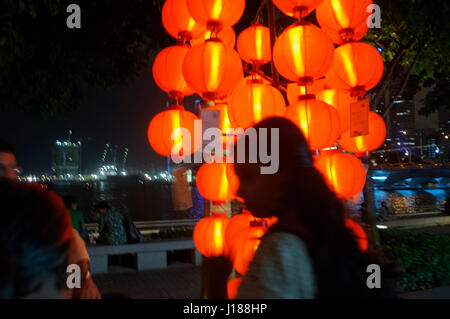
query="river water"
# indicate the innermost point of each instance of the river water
(146, 200)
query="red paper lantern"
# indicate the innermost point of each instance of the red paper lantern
(254, 45)
(243, 236)
(233, 286)
(212, 69)
(226, 35)
(244, 246)
(357, 67)
(213, 183)
(294, 91)
(341, 101)
(178, 23)
(296, 8)
(318, 121)
(343, 172)
(303, 52)
(365, 143)
(344, 20)
(215, 14)
(209, 235)
(167, 71)
(254, 101)
(166, 123)
(359, 233)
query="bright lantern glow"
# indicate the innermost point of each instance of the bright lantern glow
(318, 121)
(365, 143)
(303, 51)
(343, 172)
(209, 236)
(216, 14)
(355, 64)
(212, 69)
(178, 23)
(344, 20)
(226, 35)
(253, 102)
(167, 122)
(212, 182)
(341, 101)
(291, 7)
(253, 45)
(167, 71)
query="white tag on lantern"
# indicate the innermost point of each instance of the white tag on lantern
(359, 118)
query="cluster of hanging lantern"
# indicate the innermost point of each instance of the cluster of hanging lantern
(328, 71)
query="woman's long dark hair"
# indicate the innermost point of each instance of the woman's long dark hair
(312, 211)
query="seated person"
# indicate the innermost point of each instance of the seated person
(75, 214)
(110, 225)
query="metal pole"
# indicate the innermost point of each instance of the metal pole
(273, 36)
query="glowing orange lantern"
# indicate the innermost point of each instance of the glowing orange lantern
(168, 124)
(167, 71)
(233, 286)
(254, 45)
(212, 182)
(178, 23)
(209, 235)
(244, 246)
(240, 222)
(253, 102)
(359, 233)
(344, 20)
(303, 52)
(242, 237)
(227, 36)
(318, 121)
(297, 8)
(294, 91)
(357, 67)
(365, 143)
(216, 14)
(343, 172)
(212, 69)
(341, 101)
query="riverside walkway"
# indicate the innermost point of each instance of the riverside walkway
(184, 282)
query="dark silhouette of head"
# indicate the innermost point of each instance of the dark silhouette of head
(298, 195)
(8, 164)
(35, 236)
(102, 207)
(70, 201)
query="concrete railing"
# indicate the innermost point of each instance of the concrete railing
(417, 222)
(150, 255)
(153, 227)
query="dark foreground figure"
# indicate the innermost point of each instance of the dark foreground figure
(309, 253)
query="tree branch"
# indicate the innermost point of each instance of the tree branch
(392, 65)
(405, 81)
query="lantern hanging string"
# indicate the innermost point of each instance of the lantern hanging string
(258, 13)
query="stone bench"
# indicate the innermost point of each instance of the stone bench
(150, 255)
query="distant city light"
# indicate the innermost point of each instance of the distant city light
(381, 178)
(380, 50)
(382, 227)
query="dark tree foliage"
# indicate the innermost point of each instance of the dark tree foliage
(44, 65)
(414, 38)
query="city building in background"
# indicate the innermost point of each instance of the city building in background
(66, 157)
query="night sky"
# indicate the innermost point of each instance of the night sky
(120, 117)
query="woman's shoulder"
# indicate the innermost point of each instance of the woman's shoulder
(283, 240)
(281, 268)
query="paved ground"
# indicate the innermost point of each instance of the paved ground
(184, 282)
(175, 282)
